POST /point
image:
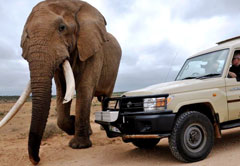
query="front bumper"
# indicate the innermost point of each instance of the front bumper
(128, 118)
(136, 123)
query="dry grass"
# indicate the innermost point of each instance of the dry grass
(22, 136)
(2, 114)
(51, 130)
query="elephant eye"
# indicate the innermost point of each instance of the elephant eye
(62, 27)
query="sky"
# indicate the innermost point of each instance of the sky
(156, 37)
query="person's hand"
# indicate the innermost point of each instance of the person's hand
(232, 75)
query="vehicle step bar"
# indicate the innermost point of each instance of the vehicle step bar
(230, 124)
(145, 136)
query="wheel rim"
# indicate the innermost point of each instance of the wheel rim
(195, 137)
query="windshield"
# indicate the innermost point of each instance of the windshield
(206, 65)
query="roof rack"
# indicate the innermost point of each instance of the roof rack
(227, 40)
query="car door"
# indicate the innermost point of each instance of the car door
(233, 98)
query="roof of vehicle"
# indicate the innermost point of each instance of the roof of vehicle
(229, 40)
(228, 43)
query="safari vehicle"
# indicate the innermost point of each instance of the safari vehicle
(191, 111)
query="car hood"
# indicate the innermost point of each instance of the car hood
(178, 87)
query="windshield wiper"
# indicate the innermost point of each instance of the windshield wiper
(204, 76)
(209, 75)
(186, 78)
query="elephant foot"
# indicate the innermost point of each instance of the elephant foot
(80, 143)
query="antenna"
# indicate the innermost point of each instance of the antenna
(171, 66)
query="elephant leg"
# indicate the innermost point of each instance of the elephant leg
(64, 120)
(82, 121)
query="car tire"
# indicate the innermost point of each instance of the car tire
(145, 143)
(192, 137)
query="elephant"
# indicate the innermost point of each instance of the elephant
(66, 40)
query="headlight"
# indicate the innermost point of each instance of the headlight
(151, 104)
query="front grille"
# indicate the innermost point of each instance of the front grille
(132, 104)
(127, 104)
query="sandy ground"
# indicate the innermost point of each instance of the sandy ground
(105, 151)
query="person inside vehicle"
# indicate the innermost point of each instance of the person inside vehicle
(234, 71)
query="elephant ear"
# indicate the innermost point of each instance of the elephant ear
(91, 33)
(23, 40)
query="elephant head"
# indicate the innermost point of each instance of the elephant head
(56, 33)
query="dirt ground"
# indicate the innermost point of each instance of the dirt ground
(105, 151)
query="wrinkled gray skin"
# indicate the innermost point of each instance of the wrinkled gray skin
(57, 30)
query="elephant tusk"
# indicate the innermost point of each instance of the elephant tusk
(70, 82)
(17, 106)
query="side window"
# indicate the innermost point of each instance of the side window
(234, 71)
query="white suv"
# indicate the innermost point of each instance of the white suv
(191, 111)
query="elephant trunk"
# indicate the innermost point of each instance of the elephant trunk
(41, 83)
